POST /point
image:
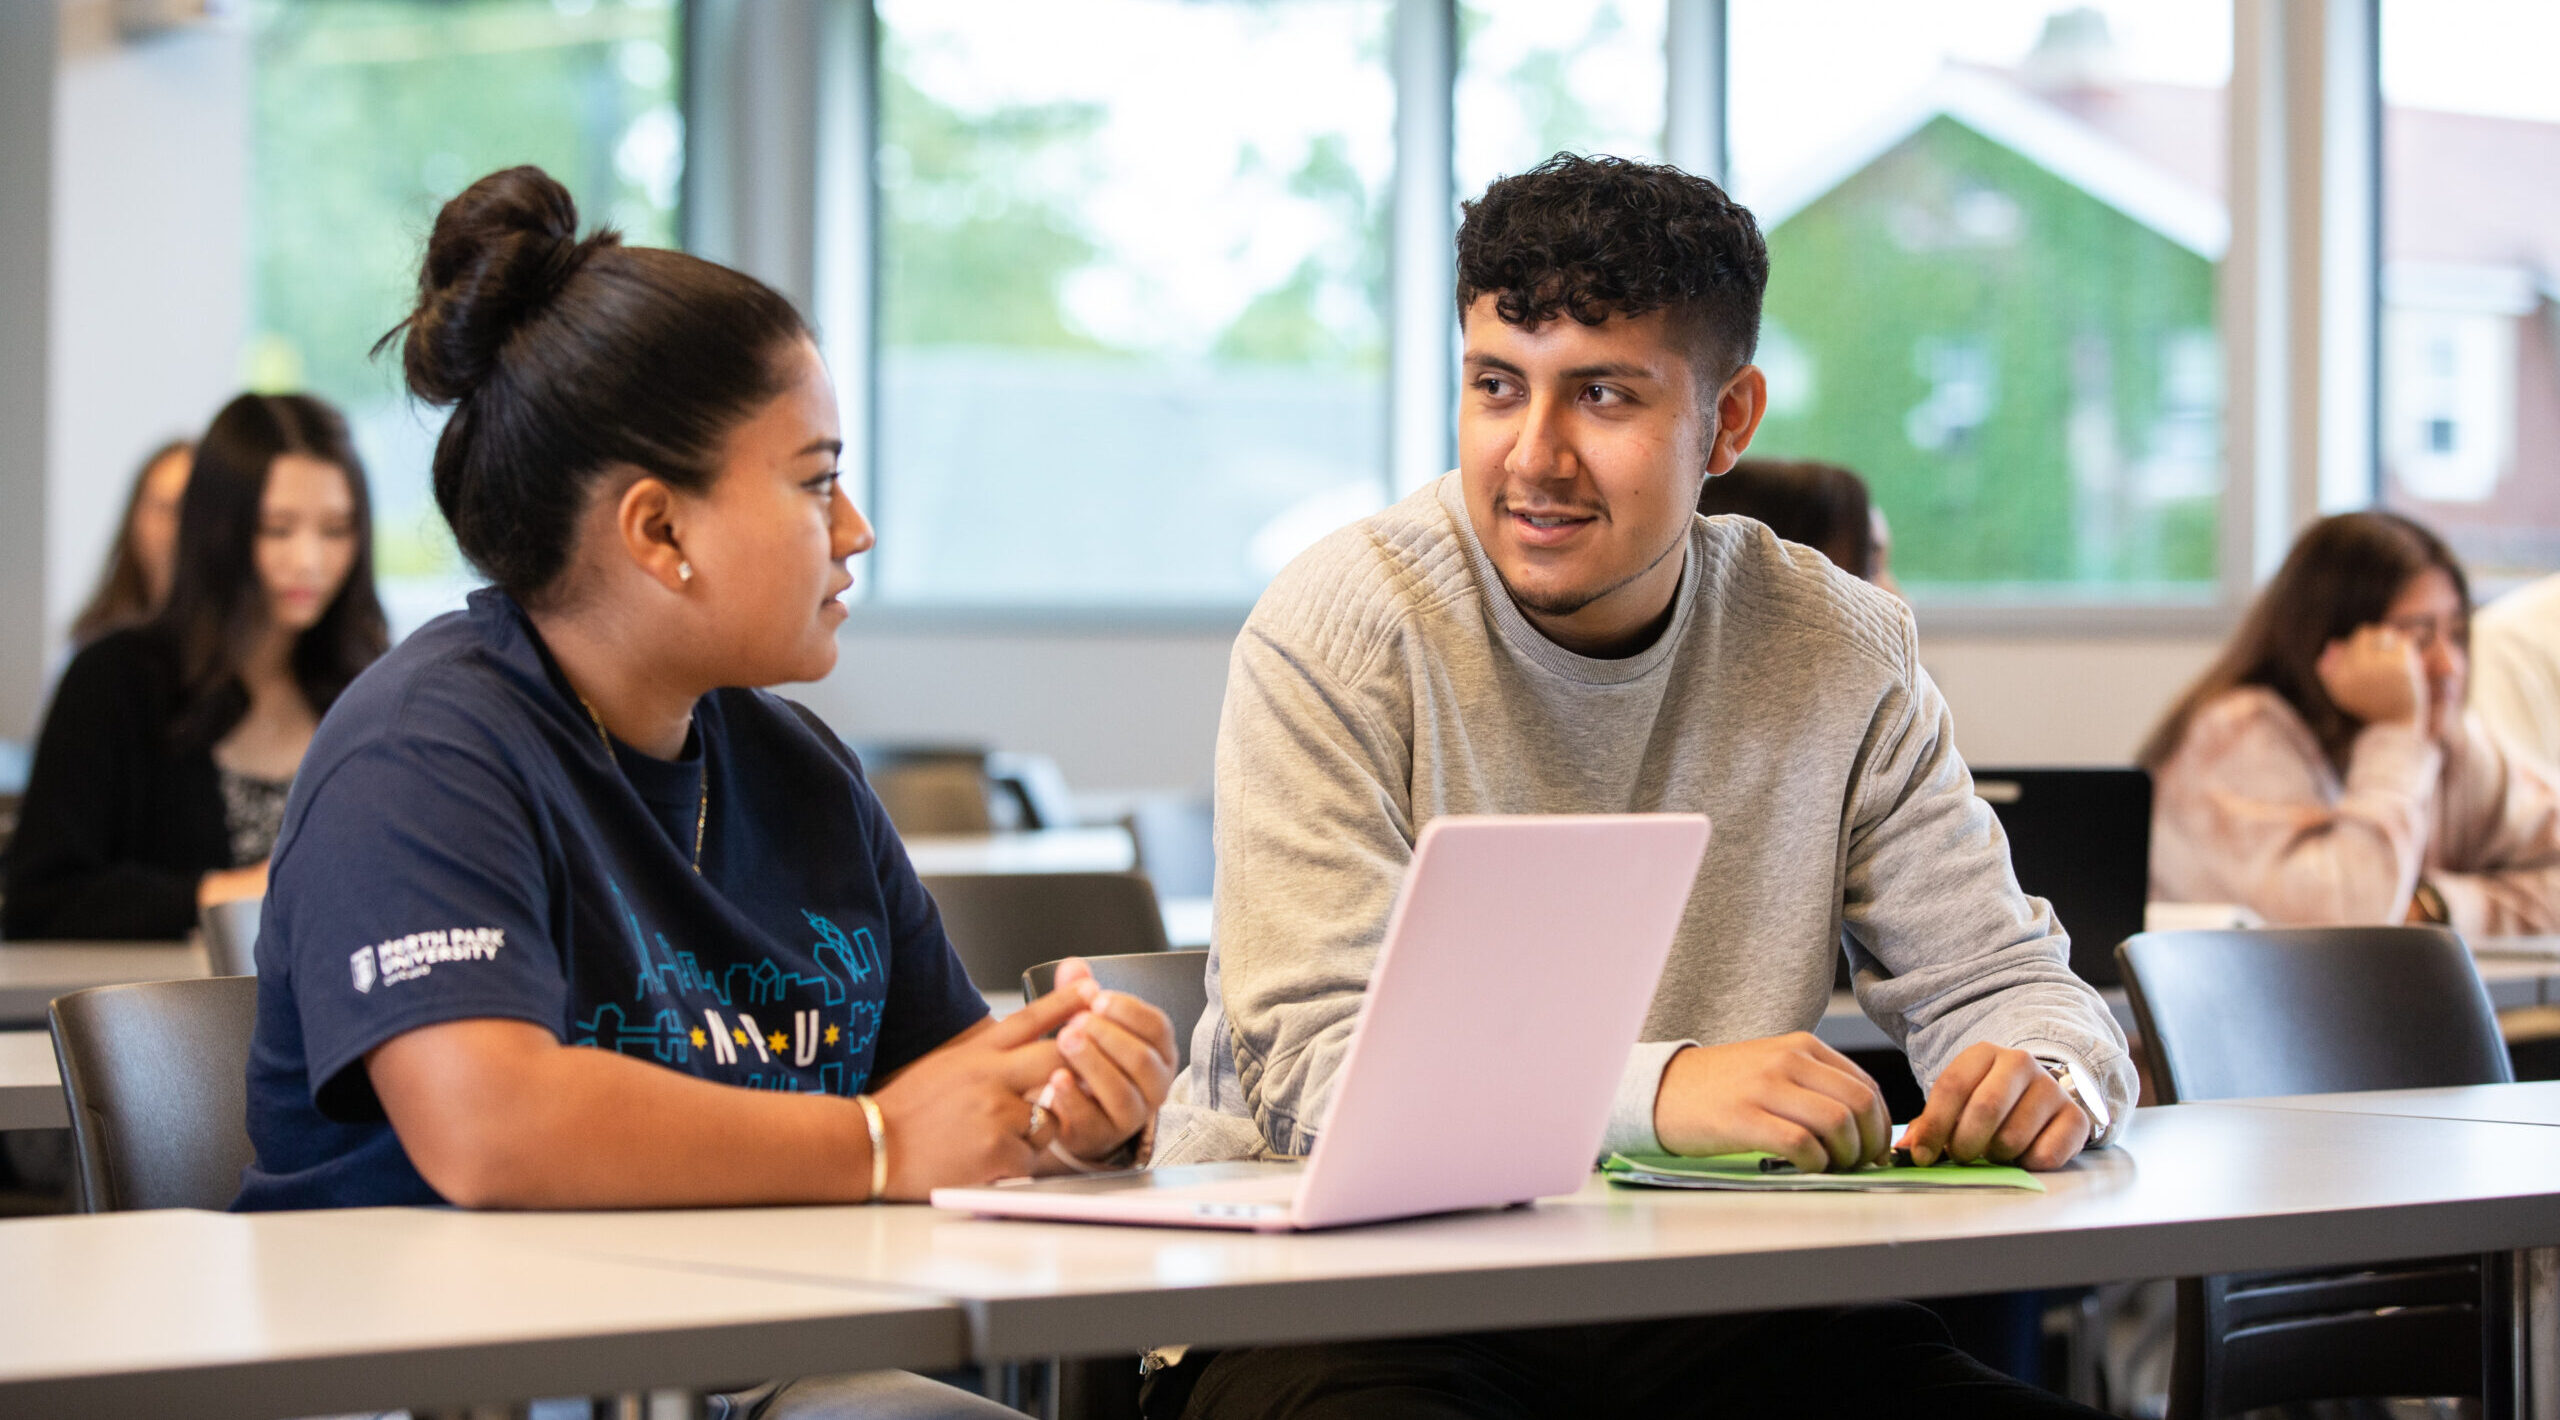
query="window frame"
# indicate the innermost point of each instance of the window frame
(2298, 318)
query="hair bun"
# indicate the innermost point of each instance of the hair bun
(501, 249)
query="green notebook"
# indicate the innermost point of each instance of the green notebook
(1746, 1173)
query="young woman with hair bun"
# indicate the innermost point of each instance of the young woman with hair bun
(568, 912)
(161, 773)
(2324, 768)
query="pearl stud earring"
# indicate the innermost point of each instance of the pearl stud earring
(684, 571)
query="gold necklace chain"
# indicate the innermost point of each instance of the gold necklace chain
(702, 815)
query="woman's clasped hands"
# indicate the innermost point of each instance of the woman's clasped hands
(1010, 1098)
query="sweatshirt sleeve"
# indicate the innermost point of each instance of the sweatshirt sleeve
(2515, 680)
(1950, 951)
(70, 874)
(2498, 863)
(2244, 816)
(1312, 789)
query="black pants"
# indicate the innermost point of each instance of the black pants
(1893, 1361)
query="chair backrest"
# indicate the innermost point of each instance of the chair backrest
(1175, 983)
(2267, 1011)
(930, 789)
(2081, 840)
(1002, 924)
(231, 935)
(157, 1078)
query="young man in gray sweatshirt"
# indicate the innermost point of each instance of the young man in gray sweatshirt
(1552, 629)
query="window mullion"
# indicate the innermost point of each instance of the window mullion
(2257, 489)
(1693, 108)
(1421, 277)
(845, 282)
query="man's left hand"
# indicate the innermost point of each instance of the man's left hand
(1998, 1104)
(1119, 1065)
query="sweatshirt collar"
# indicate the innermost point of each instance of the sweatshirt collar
(1527, 642)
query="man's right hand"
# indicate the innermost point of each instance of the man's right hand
(1789, 1095)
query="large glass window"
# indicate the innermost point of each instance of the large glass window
(1537, 79)
(2470, 330)
(1132, 277)
(368, 115)
(1994, 230)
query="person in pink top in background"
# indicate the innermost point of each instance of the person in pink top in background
(2325, 770)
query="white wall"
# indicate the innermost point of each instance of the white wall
(2027, 701)
(150, 197)
(1140, 711)
(1120, 711)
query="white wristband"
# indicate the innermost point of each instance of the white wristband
(879, 1146)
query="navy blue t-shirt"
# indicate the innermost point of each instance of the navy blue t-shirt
(460, 845)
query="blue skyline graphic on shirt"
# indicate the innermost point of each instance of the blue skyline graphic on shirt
(681, 1010)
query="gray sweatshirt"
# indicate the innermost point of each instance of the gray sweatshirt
(1386, 678)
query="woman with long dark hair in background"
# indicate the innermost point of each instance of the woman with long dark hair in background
(2324, 769)
(136, 578)
(160, 776)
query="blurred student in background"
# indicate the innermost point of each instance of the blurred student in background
(136, 579)
(2325, 770)
(2515, 675)
(1821, 505)
(160, 776)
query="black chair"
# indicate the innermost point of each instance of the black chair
(930, 789)
(2243, 1014)
(157, 1078)
(2081, 840)
(1175, 983)
(1003, 924)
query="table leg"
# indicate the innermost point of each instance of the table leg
(2537, 1333)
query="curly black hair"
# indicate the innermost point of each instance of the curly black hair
(1593, 237)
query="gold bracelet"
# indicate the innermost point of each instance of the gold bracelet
(879, 1147)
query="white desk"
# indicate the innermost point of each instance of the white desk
(2535, 1102)
(1107, 849)
(207, 1314)
(30, 1082)
(2285, 1188)
(33, 973)
(2514, 981)
(297, 1313)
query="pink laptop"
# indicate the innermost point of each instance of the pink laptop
(1518, 963)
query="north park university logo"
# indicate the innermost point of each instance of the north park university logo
(418, 954)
